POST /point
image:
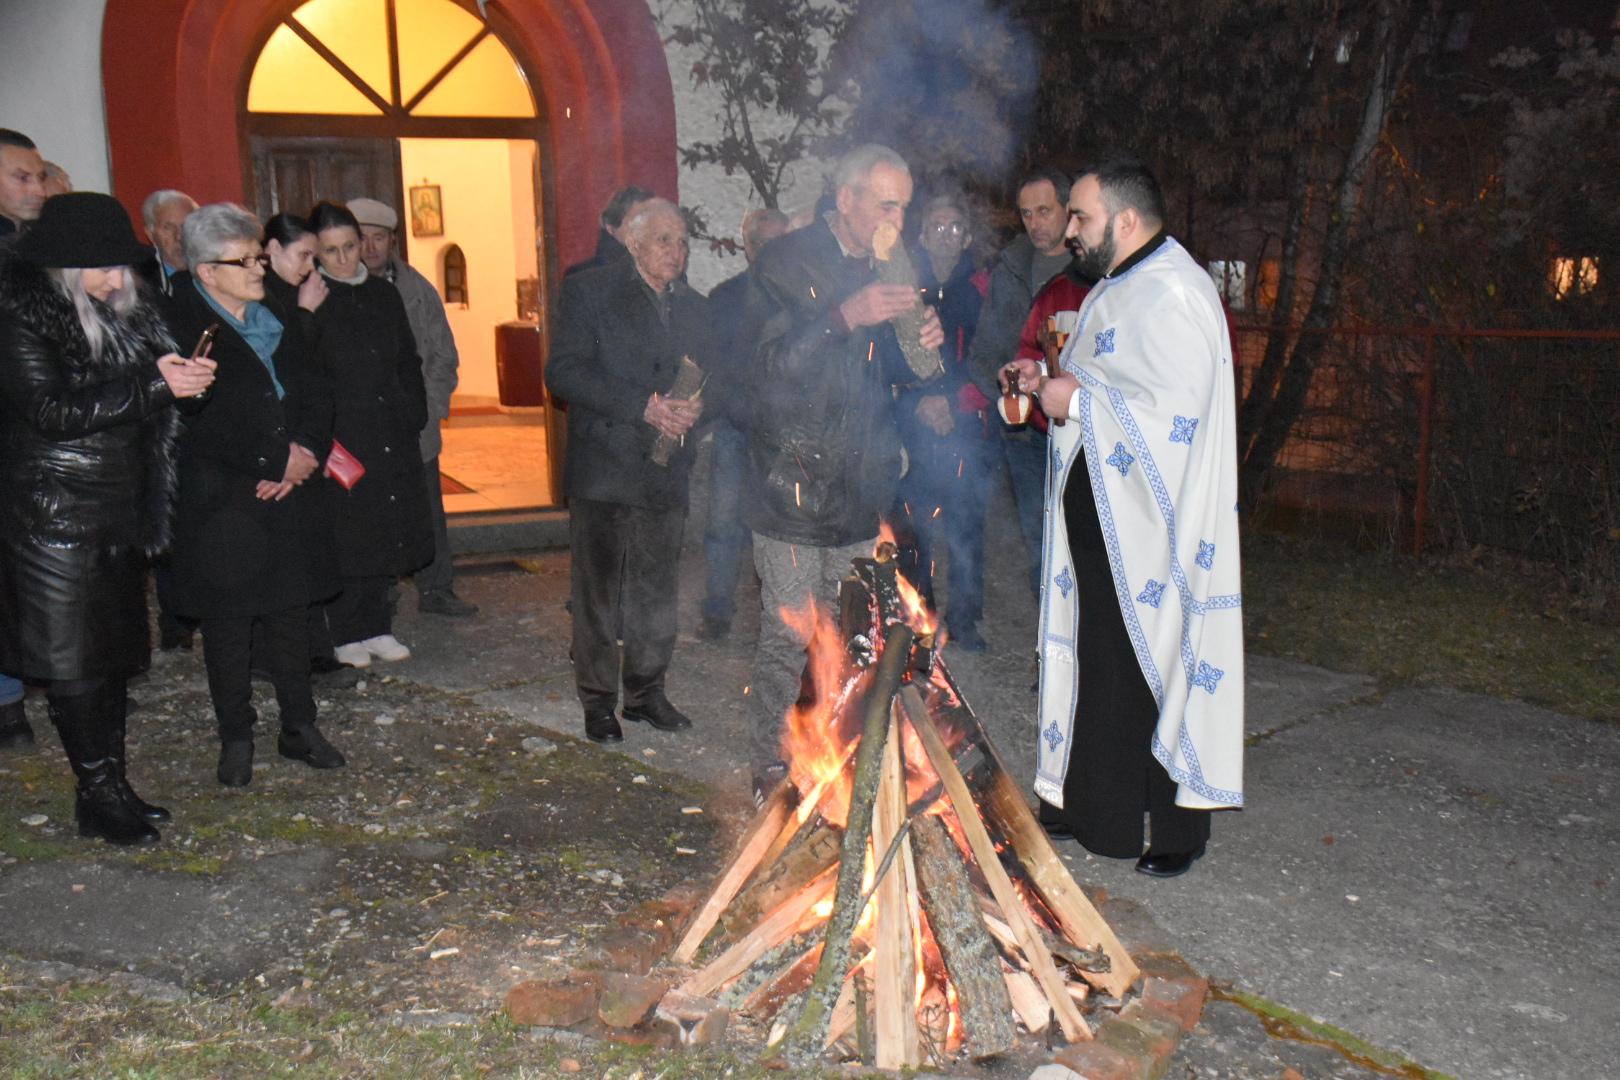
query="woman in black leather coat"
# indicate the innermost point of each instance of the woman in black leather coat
(87, 378)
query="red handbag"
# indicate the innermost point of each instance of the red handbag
(343, 466)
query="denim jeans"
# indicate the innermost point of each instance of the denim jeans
(1025, 452)
(11, 690)
(726, 537)
(943, 502)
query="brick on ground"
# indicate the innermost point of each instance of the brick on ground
(553, 1002)
(627, 1000)
(1098, 1061)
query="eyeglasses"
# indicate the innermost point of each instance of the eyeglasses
(246, 262)
(948, 228)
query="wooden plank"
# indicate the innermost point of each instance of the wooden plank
(776, 880)
(782, 924)
(1028, 1001)
(970, 956)
(792, 978)
(895, 962)
(767, 825)
(1004, 805)
(984, 852)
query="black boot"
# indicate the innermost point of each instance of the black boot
(87, 737)
(119, 700)
(14, 730)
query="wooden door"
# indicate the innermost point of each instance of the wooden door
(295, 172)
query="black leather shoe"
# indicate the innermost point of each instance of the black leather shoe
(967, 639)
(171, 638)
(309, 746)
(714, 629)
(100, 811)
(1169, 864)
(659, 713)
(14, 730)
(1052, 824)
(148, 811)
(601, 726)
(235, 764)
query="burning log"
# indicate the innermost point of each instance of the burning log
(761, 835)
(807, 1034)
(806, 855)
(782, 924)
(895, 960)
(894, 268)
(970, 955)
(984, 851)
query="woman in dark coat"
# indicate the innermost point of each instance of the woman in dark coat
(252, 547)
(87, 378)
(384, 527)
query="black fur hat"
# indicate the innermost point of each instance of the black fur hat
(82, 229)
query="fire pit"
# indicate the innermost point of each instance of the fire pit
(895, 899)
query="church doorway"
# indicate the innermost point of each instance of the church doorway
(424, 105)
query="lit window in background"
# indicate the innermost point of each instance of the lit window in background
(1572, 275)
(1231, 281)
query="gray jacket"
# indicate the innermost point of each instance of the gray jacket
(437, 345)
(1001, 320)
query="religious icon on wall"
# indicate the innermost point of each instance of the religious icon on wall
(427, 211)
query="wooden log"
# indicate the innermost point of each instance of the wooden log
(984, 853)
(792, 978)
(970, 955)
(808, 1032)
(760, 835)
(894, 968)
(809, 855)
(893, 265)
(1005, 807)
(782, 924)
(1027, 1000)
(844, 1014)
(1062, 949)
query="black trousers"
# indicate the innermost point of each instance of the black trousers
(1113, 776)
(362, 610)
(624, 564)
(284, 652)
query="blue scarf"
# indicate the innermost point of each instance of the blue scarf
(261, 330)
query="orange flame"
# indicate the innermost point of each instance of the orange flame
(917, 614)
(817, 750)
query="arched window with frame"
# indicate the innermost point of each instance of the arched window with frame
(453, 275)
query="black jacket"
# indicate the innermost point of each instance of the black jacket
(383, 524)
(236, 554)
(86, 472)
(610, 353)
(823, 451)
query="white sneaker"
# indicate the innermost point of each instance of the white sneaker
(355, 654)
(386, 647)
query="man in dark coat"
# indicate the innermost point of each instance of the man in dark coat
(622, 332)
(164, 214)
(726, 537)
(610, 234)
(824, 454)
(251, 542)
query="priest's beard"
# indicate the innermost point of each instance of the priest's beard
(1095, 262)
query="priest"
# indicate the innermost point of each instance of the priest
(1141, 637)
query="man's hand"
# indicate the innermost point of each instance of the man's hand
(271, 490)
(1021, 375)
(672, 416)
(935, 411)
(1055, 395)
(301, 465)
(312, 291)
(878, 303)
(933, 334)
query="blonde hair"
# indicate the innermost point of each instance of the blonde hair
(96, 316)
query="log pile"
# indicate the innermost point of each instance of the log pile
(897, 900)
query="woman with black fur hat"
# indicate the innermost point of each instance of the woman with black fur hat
(87, 378)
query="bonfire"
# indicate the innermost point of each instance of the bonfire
(895, 898)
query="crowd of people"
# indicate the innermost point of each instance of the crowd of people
(256, 406)
(1092, 325)
(251, 410)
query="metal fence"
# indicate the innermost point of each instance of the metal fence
(1504, 438)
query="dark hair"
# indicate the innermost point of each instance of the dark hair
(285, 228)
(9, 137)
(1060, 180)
(618, 206)
(331, 215)
(1126, 183)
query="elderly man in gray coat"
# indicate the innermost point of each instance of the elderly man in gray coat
(435, 583)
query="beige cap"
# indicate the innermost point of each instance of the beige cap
(372, 212)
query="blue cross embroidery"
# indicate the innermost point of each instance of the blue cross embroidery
(1206, 554)
(1184, 429)
(1207, 676)
(1057, 459)
(1121, 458)
(1064, 581)
(1105, 343)
(1152, 593)
(1053, 736)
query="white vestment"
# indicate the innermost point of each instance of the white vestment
(1156, 417)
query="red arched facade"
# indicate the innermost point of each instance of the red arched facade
(175, 74)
